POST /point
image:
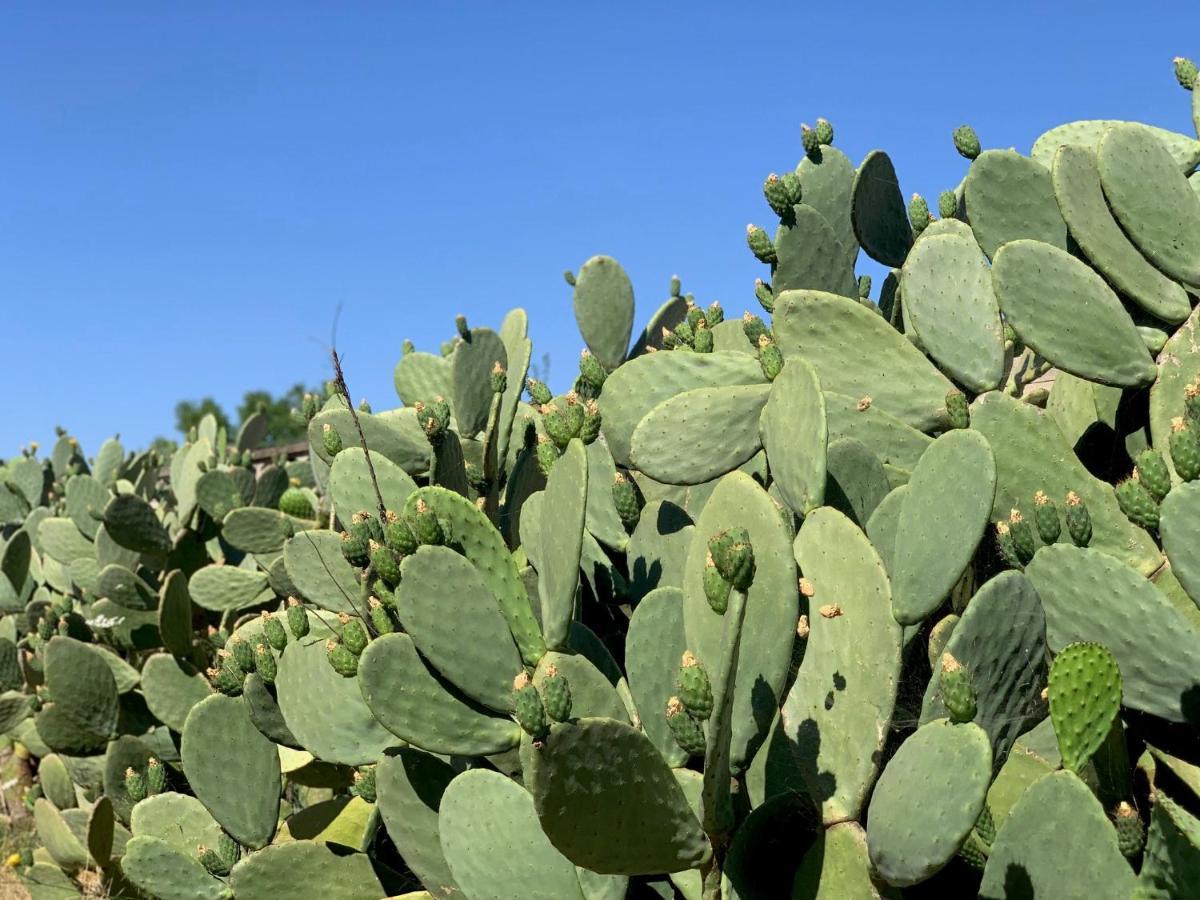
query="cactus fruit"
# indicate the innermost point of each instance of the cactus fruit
(864, 287)
(294, 502)
(957, 410)
(274, 631)
(227, 677)
(716, 588)
(1079, 521)
(1185, 72)
(364, 783)
(547, 454)
(498, 378)
(769, 357)
(589, 428)
(297, 618)
(528, 708)
(135, 785)
(958, 692)
(762, 293)
(1137, 503)
(1153, 473)
(947, 204)
(918, 213)
(684, 728)
(434, 419)
(264, 663)
(966, 141)
(356, 549)
(1191, 402)
(1185, 449)
(425, 526)
(385, 562)
(702, 339)
(398, 536)
(625, 499)
(1045, 517)
(343, 661)
(562, 418)
(733, 557)
(354, 636)
(1131, 833)
(695, 691)
(824, 132)
(591, 372)
(331, 440)
(556, 694)
(381, 619)
(778, 197)
(539, 394)
(242, 652)
(760, 244)
(1022, 536)
(810, 141)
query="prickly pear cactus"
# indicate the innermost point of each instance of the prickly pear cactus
(839, 596)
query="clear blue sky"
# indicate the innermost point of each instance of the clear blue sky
(189, 190)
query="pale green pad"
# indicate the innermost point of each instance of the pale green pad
(564, 512)
(319, 571)
(892, 441)
(352, 490)
(1085, 697)
(225, 587)
(604, 309)
(793, 432)
(653, 649)
(836, 867)
(410, 786)
(161, 870)
(276, 871)
(1179, 527)
(878, 213)
(1178, 365)
(1009, 197)
(810, 256)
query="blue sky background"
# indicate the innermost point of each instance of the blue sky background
(188, 191)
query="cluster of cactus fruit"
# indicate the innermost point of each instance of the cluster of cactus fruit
(874, 596)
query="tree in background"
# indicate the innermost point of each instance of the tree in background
(282, 426)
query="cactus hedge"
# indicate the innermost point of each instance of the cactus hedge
(847, 596)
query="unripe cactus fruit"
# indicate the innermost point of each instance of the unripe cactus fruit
(769, 357)
(1004, 543)
(694, 688)
(714, 315)
(354, 636)
(958, 692)
(227, 678)
(498, 378)
(264, 663)
(918, 213)
(539, 394)
(864, 286)
(591, 372)
(716, 588)
(625, 499)
(1131, 834)
(824, 132)
(343, 661)
(1137, 503)
(1191, 402)
(947, 204)
(381, 620)
(356, 549)
(562, 418)
(753, 328)
(778, 197)
(434, 419)
(1185, 450)
(760, 244)
(702, 342)
(1185, 72)
(364, 783)
(386, 563)
(425, 525)
(45, 627)
(398, 536)
(1045, 516)
(957, 409)
(528, 709)
(294, 502)
(589, 428)
(297, 618)
(156, 777)
(1153, 473)
(733, 557)
(810, 141)
(1022, 536)
(274, 631)
(966, 141)
(547, 454)
(243, 653)
(135, 785)
(684, 728)
(1079, 521)
(556, 694)
(684, 335)
(331, 439)
(675, 286)
(762, 293)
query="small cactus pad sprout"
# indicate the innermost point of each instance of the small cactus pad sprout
(1084, 690)
(947, 204)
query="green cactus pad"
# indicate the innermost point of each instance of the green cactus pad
(224, 587)
(56, 781)
(889, 439)
(121, 586)
(493, 845)
(855, 352)
(171, 688)
(884, 522)
(175, 614)
(592, 694)
(410, 786)
(1179, 527)
(604, 309)
(86, 499)
(1085, 697)
(351, 488)
(132, 523)
(700, 434)
(445, 606)
(564, 513)
(878, 213)
(653, 647)
(1089, 596)
(949, 300)
(927, 800)
(318, 570)
(1152, 200)
(326, 712)
(771, 606)
(61, 540)
(643, 383)
(853, 654)
(276, 871)
(422, 377)
(603, 521)
(1081, 199)
(520, 349)
(858, 481)
(179, 819)
(1171, 867)
(1178, 366)
(943, 519)
(56, 835)
(1010, 196)
(253, 529)
(1001, 640)
(470, 528)
(1032, 455)
(217, 494)
(1183, 149)
(810, 256)
(232, 768)
(412, 702)
(395, 435)
(793, 432)
(827, 185)
(836, 866)
(657, 549)
(82, 685)
(1042, 290)
(608, 801)
(161, 870)
(1058, 837)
